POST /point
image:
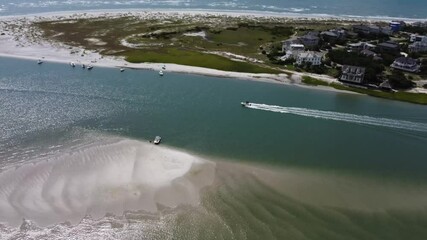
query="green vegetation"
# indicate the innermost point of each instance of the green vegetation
(193, 58)
(419, 98)
(314, 81)
(236, 44)
(166, 39)
(373, 68)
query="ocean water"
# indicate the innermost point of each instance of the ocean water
(76, 162)
(390, 8)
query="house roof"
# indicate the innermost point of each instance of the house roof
(368, 53)
(310, 54)
(353, 69)
(406, 60)
(329, 33)
(310, 37)
(389, 44)
(359, 44)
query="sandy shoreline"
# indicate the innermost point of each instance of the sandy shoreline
(17, 45)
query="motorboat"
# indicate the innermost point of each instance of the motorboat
(161, 73)
(89, 67)
(72, 64)
(122, 69)
(39, 61)
(157, 140)
(245, 104)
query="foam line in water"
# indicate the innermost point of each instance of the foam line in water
(345, 117)
(100, 179)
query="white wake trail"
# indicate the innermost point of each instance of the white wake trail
(345, 117)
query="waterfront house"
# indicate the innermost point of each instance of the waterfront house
(372, 30)
(333, 35)
(388, 47)
(352, 74)
(289, 45)
(419, 43)
(418, 47)
(406, 64)
(367, 29)
(360, 46)
(314, 58)
(329, 36)
(310, 40)
(396, 26)
(417, 38)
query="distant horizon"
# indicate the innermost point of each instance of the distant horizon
(412, 10)
(256, 13)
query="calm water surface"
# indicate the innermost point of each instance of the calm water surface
(49, 108)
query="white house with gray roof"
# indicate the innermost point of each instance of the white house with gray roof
(315, 58)
(406, 64)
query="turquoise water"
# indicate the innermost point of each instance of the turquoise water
(390, 8)
(346, 166)
(203, 115)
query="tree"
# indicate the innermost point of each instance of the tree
(398, 80)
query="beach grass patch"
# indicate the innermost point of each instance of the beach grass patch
(193, 58)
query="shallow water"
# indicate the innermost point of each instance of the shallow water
(75, 142)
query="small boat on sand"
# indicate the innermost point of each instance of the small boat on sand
(157, 140)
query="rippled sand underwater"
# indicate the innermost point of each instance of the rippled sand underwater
(119, 188)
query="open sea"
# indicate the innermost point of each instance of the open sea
(76, 162)
(374, 8)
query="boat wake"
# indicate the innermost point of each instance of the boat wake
(344, 117)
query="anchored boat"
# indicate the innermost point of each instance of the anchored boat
(157, 140)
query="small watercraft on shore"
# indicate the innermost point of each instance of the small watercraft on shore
(157, 140)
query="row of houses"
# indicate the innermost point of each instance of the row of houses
(356, 74)
(295, 49)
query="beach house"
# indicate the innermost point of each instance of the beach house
(406, 64)
(310, 40)
(360, 46)
(352, 74)
(419, 43)
(312, 57)
(388, 47)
